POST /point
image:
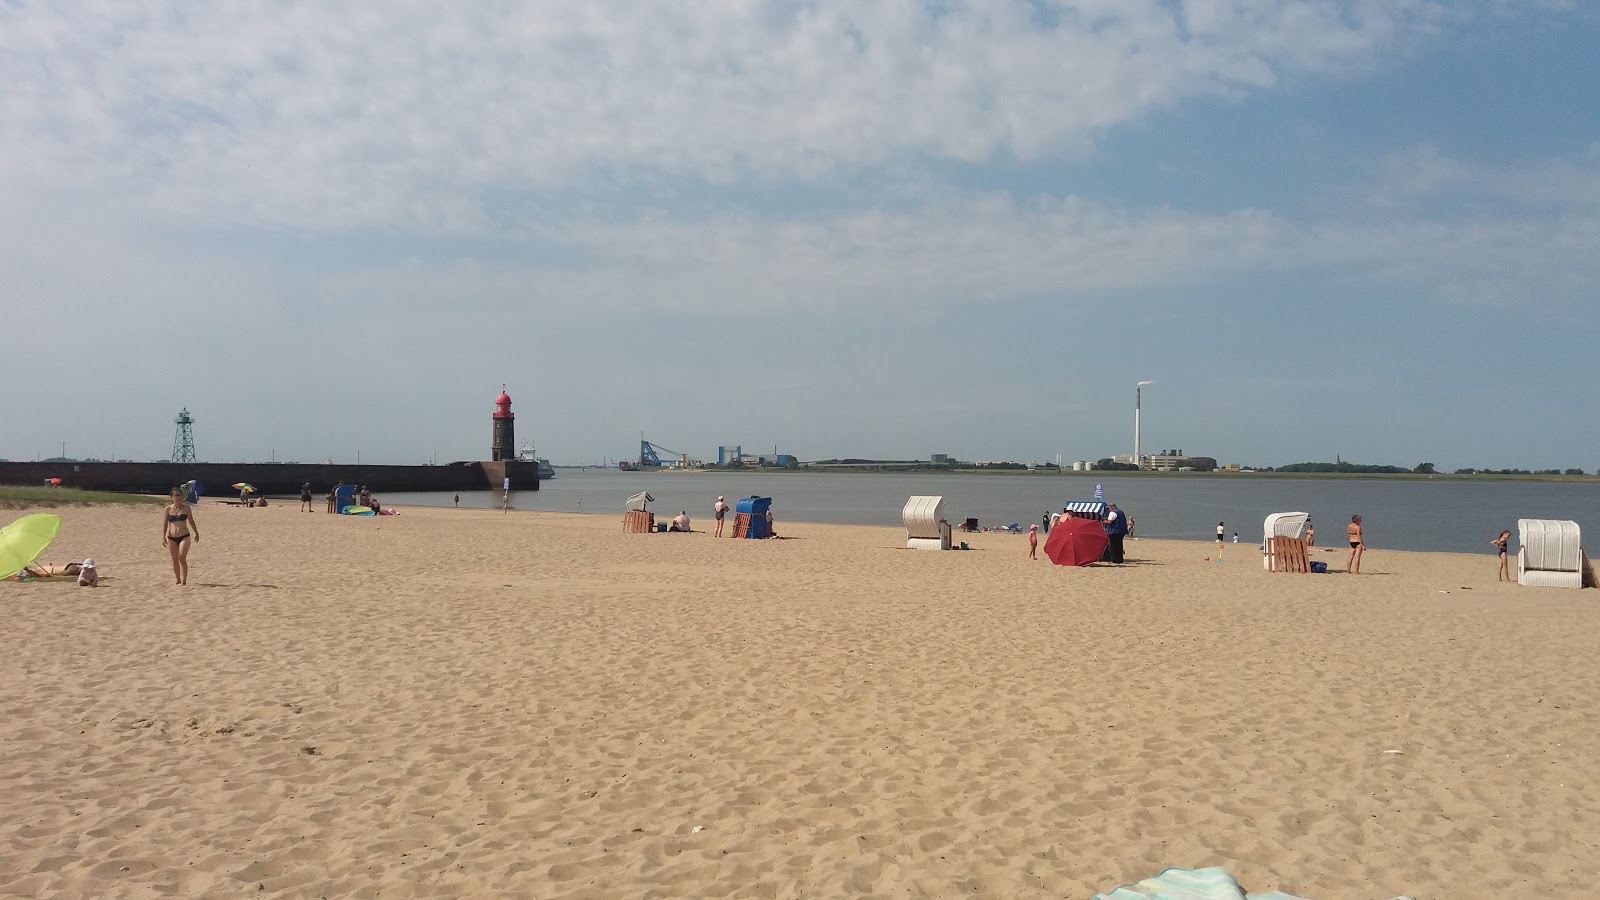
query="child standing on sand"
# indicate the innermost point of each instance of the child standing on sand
(1033, 542)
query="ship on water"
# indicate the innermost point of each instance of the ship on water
(546, 471)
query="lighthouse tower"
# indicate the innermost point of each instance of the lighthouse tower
(504, 446)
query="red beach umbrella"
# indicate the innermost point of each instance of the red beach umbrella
(1076, 542)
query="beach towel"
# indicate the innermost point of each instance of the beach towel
(1192, 884)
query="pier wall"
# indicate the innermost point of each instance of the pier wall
(272, 478)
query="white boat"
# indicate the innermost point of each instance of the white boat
(546, 471)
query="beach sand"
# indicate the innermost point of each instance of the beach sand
(453, 703)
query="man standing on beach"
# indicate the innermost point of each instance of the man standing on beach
(1046, 522)
(721, 510)
(1116, 529)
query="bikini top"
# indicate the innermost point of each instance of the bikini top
(178, 518)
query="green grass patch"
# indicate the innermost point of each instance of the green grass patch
(13, 496)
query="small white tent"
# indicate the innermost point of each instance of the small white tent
(926, 528)
(1551, 554)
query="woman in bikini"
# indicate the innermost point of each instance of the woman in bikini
(1357, 544)
(1499, 544)
(178, 531)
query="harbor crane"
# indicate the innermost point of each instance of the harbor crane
(654, 456)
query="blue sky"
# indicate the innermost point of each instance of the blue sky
(889, 229)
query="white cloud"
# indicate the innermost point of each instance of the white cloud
(1424, 175)
(405, 114)
(958, 250)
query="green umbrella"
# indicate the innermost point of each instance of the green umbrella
(22, 541)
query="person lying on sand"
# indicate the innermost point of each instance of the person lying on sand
(48, 570)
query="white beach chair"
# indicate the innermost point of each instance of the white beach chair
(1551, 554)
(1283, 525)
(926, 528)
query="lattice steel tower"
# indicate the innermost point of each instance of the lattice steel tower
(183, 440)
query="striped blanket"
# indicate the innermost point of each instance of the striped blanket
(1192, 884)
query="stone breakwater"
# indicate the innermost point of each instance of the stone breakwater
(272, 478)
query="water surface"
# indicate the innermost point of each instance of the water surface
(1450, 514)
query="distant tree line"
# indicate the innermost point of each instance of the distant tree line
(1426, 468)
(1343, 468)
(1520, 472)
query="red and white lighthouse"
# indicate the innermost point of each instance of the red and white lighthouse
(504, 446)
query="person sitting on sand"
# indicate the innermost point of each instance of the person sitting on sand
(88, 575)
(680, 522)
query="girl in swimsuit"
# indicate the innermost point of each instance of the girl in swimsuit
(1500, 546)
(1357, 544)
(178, 531)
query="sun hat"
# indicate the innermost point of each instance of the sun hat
(1033, 528)
(719, 496)
(88, 563)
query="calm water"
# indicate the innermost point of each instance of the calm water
(1401, 515)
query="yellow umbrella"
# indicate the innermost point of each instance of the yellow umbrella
(22, 541)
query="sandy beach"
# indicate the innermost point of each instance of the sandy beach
(453, 703)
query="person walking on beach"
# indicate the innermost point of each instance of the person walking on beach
(1220, 531)
(1033, 541)
(178, 531)
(1046, 522)
(305, 497)
(1500, 547)
(1357, 544)
(720, 508)
(458, 501)
(1116, 526)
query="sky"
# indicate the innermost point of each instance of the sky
(1363, 228)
